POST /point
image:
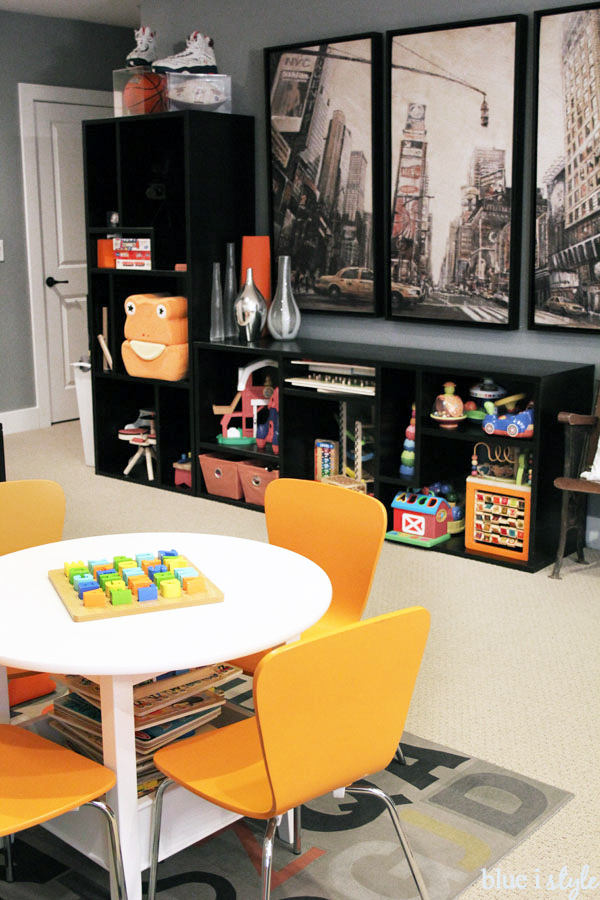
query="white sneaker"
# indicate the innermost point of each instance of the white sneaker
(198, 56)
(144, 52)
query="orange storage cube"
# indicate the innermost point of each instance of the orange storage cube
(254, 481)
(221, 476)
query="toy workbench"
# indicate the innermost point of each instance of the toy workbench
(125, 585)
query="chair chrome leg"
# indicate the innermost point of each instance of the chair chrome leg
(400, 755)
(155, 836)
(389, 803)
(297, 845)
(267, 858)
(115, 847)
(9, 872)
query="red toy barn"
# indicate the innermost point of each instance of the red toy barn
(420, 519)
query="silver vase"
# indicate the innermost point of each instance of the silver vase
(250, 310)
(283, 319)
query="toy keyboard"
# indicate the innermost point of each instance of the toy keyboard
(126, 585)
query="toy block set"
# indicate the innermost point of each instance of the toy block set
(125, 585)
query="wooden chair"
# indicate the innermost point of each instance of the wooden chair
(342, 531)
(581, 443)
(40, 780)
(329, 712)
(32, 512)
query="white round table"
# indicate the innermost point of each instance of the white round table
(271, 596)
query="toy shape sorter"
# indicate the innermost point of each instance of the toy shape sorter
(156, 337)
(420, 519)
(126, 585)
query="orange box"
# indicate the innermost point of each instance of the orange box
(106, 254)
(221, 476)
(497, 518)
(254, 481)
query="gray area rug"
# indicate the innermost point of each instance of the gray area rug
(461, 815)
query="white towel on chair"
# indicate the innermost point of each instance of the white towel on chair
(594, 472)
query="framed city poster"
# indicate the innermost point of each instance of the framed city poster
(324, 119)
(565, 289)
(455, 170)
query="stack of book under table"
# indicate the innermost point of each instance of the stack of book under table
(166, 709)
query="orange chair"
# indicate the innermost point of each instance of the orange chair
(32, 512)
(329, 711)
(40, 780)
(340, 530)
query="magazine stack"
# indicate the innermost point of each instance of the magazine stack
(166, 709)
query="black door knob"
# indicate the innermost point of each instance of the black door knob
(50, 281)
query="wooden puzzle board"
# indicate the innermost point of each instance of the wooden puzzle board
(81, 613)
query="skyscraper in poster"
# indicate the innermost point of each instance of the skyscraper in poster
(410, 212)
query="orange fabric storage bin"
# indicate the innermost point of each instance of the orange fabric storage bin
(254, 481)
(221, 476)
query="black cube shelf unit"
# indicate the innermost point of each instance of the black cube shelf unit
(402, 376)
(186, 180)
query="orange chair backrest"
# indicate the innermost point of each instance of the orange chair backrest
(340, 530)
(32, 512)
(332, 709)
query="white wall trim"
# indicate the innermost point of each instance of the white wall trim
(16, 420)
(29, 94)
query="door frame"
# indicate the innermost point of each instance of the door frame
(29, 94)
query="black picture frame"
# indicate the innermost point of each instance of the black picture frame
(325, 165)
(454, 170)
(565, 253)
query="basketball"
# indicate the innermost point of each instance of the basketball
(145, 93)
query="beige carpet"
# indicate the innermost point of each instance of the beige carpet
(512, 668)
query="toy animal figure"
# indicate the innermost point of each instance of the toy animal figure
(156, 337)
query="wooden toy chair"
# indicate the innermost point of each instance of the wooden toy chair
(340, 530)
(40, 780)
(582, 435)
(32, 512)
(329, 711)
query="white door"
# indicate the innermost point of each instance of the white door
(51, 141)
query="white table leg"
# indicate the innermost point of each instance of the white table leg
(4, 704)
(118, 737)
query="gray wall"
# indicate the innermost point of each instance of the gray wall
(241, 31)
(37, 50)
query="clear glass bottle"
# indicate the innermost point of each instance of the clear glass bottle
(217, 332)
(230, 292)
(283, 320)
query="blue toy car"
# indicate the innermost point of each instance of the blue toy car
(515, 425)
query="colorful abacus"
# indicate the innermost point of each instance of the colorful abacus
(100, 588)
